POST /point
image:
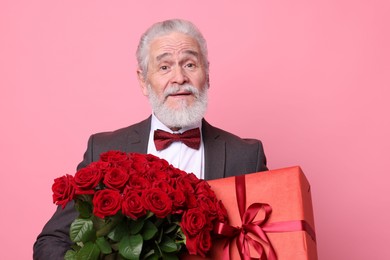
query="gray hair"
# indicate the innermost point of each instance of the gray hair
(164, 28)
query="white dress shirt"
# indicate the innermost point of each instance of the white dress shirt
(178, 154)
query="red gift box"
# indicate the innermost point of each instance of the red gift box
(289, 228)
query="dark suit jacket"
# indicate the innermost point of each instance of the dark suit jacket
(225, 155)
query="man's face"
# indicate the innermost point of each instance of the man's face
(175, 64)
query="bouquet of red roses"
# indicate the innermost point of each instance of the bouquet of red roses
(137, 206)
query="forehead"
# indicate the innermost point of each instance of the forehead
(173, 44)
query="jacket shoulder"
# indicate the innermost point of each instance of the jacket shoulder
(241, 155)
(228, 137)
(125, 132)
(133, 138)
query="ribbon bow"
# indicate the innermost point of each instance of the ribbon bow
(256, 228)
(163, 139)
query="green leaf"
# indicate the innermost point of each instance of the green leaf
(85, 197)
(75, 247)
(90, 251)
(149, 230)
(118, 232)
(103, 245)
(151, 255)
(98, 225)
(113, 256)
(149, 214)
(136, 226)
(171, 228)
(70, 255)
(81, 230)
(168, 245)
(84, 208)
(160, 236)
(104, 226)
(130, 247)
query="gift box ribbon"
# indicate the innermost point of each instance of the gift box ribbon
(257, 228)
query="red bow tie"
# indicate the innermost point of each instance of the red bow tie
(163, 139)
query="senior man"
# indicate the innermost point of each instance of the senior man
(173, 72)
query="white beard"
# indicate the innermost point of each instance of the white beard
(185, 115)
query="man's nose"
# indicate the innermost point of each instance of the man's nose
(179, 76)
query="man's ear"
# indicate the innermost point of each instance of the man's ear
(142, 82)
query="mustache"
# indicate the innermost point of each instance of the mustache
(174, 89)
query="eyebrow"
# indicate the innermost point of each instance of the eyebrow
(161, 56)
(167, 54)
(192, 53)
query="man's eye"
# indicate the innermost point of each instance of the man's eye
(164, 67)
(190, 65)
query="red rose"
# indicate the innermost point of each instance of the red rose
(114, 157)
(106, 203)
(207, 205)
(116, 178)
(179, 201)
(155, 159)
(193, 221)
(173, 172)
(203, 242)
(157, 202)
(200, 244)
(163, 185)
(127, 164)
(158, 163)
(203, 188)
(87, 179)
(221, 212)
(183, 184)
(137, 182)
(140, 164)
(100, 165)
(156, 174)
(63, 190)
(192, 179)
(132, 205)
(191, 199)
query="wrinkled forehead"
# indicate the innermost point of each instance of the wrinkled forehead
(174, 45)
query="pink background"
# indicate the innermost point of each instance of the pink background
(311, 80)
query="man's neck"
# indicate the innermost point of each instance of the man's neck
(174, 128)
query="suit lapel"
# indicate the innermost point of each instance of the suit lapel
(138, 137)
(214, 152)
